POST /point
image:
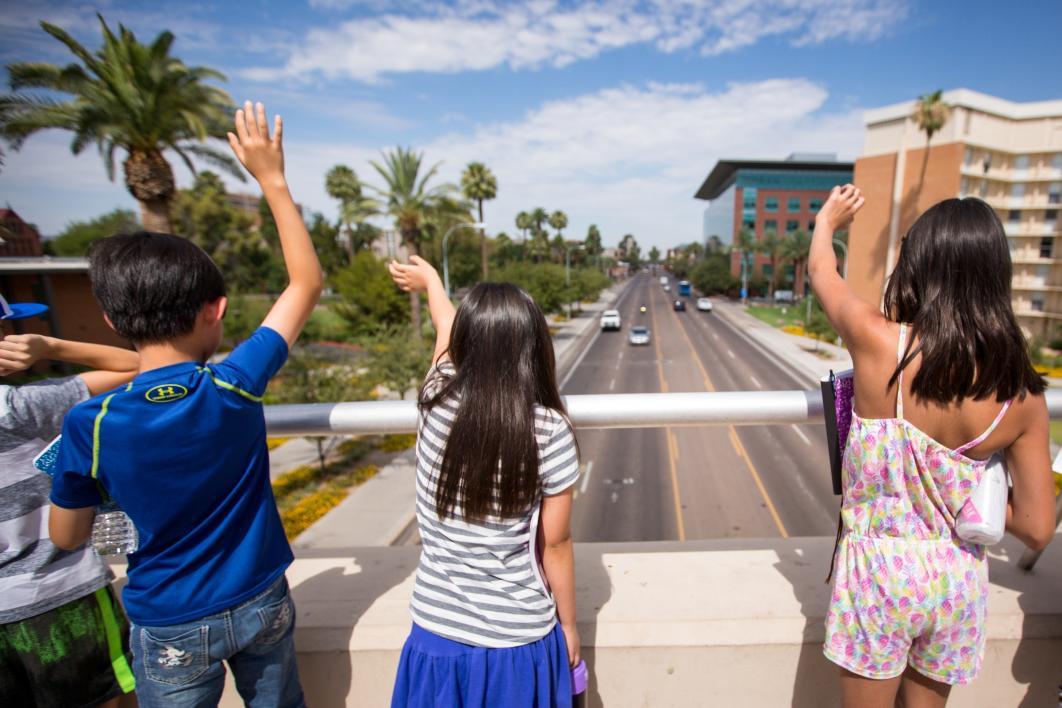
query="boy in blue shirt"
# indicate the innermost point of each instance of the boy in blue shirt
(182, 449)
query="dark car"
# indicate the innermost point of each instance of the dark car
(680, 305)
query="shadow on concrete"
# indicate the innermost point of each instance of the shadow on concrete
(804, 566)
(336, 599)
(1035, 656)
(593, 588)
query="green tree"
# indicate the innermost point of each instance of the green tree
(712, 275)
(592, 242)
(772, 247)
(523, 222)
(795, 251)
(654, 255)
(559, 221)
(479, 184)
(129, 96)
(76, 238)
(343, 185)
(369, 299)
(397, 361)
(409, 201)
(819, 326)
(325, 237)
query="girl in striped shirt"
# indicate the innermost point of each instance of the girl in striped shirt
(494, 600)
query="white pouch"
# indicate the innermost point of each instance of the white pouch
(983, 517)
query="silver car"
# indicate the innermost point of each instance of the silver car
(638, 336)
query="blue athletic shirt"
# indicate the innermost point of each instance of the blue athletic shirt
(182, 449)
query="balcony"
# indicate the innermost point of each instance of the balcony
(1030, 228)
(723, 622)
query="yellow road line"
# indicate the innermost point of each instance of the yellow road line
(672, 445)
(734, 439)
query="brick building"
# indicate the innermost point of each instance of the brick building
(762, 196)
(1007, 153)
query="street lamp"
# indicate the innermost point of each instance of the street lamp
(446, 253)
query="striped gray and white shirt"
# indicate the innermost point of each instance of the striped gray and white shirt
(35, 576)
(479, 582)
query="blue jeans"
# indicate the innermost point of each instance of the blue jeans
(181, 665)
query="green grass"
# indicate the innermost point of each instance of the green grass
(774, 315)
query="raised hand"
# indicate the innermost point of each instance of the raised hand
(415, 276)
(262, 155)
(842, 205)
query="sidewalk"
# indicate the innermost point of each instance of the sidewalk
(793, 352)
(378, 512)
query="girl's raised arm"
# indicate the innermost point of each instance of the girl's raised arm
(420, 276)
(846, 311)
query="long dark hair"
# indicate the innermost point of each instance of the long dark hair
(952, 284)
(501, 348)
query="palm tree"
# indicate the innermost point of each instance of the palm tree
(343, 185)
(772, 247)
(523, 222)
(410, 202)
(930, 115)
(559, 221)
(127, 96)
(539, 239)
(479, 184)
(745, 244)
(796, 250)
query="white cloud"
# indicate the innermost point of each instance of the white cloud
(627, 158)
(485, 34)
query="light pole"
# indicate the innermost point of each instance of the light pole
(568, 269)
(446, 253)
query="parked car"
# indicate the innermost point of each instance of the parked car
(667, 288)
(638, 336)
(783, 296)
(704, 304)
(679, 305)
(610, 320)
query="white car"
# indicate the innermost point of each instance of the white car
(663, 280)
(610, 319)
(638, 336)
(667, 288)
(704, 304)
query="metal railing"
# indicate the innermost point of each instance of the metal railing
(613, 410)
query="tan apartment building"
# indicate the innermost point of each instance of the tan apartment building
(1007, 153)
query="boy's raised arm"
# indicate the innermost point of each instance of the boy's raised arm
(263, 156)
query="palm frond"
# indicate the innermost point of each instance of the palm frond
(217, 158)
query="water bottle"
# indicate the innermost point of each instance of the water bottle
(580, 679)
(984, 515)
(113, 532)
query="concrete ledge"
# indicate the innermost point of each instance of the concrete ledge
(733, 622)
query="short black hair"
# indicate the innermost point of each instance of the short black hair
(152, 286)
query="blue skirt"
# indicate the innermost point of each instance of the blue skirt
(435, 671)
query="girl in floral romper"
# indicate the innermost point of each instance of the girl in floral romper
(942, 381)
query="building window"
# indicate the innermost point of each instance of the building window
(986, 163)
(749, 224)
(1021, 164)
(964, 187)
(791, 226)
(770, 225)
(1054, 193)
(793, 204)
(1037, 303)
(814, 205)
(967, 157)
(811, 225)
(1056, 161)
(1045, 247)
(1051, 215)
(1014, 215)
(1017, 191)
(748, 197)
(768, 270)
(770, 204)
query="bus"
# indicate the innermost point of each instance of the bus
(684, 288)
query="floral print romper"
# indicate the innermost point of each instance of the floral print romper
(907, 590)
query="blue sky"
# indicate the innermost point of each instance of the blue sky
(611, 111)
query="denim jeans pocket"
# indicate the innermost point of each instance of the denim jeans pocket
(276, 619)
(175, 657)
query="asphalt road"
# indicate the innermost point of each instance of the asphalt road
(652, 484)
